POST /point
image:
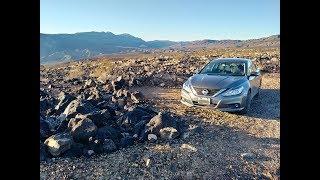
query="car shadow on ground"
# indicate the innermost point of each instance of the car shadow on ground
(266, 105)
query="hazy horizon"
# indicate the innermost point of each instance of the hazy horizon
(157, 39)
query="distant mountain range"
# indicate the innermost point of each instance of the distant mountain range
(65, 47)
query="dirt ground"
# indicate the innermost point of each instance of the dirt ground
(219, 145)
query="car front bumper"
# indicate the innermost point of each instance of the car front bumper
(229, 104)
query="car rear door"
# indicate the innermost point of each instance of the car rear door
(254, 80)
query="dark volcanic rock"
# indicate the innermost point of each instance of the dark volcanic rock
(45, 105)
(140, 126)
(118, 83)
(45, 131)
(95, 144)
(148, 109)
(83, 130)
(126, 141)
(43, 153)
(131, 118)
(102, 104)
(63, 126)
(108, 146)
(53, 122)
(59, 143)
(64, 100)
(43, 94)
(78, 106)
(100, 118)
(108, 132)
(76, 150)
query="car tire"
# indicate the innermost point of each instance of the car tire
(248, 104)
(258, 93)
(259, 88)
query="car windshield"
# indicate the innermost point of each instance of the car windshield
(224, 68)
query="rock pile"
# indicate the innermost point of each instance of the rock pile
(100, 121)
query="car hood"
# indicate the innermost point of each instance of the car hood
(216, 82)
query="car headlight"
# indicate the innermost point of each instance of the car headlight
(187, 86)
(233, 92)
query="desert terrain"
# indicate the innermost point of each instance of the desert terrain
(209, 144)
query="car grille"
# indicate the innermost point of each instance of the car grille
(211, 91)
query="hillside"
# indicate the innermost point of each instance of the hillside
(66, 47)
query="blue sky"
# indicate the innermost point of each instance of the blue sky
(164, 19)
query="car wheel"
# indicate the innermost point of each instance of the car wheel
(248, 104)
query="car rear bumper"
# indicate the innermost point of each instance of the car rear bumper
(230, 104)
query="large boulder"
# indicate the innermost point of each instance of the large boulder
(100, 118)
(83, 129)
(131, 118)
(59, 143)
(108, 132)
(77, 106)
(64, 100)
(140, 126)
(76, 150)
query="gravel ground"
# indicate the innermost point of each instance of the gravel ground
(219, 145)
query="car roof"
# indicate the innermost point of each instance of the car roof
(233, 59)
